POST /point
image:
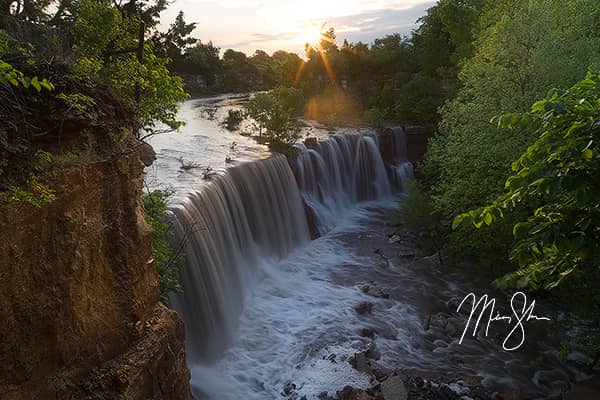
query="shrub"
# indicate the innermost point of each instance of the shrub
(273, 114)
(233, 120)
(166, 260)
(416, 213)
(376, 116)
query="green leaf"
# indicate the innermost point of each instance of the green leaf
(459, 220)
(487, 218)
(520, 229)
(36, 84)
(47, 85)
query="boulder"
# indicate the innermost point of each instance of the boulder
(367, 332)
(363, 308)
(393, 389)
(350, 393)
(147, 154)
(373, 352)
(311, 220)
(360, 362)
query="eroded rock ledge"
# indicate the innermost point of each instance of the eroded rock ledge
(79, 299)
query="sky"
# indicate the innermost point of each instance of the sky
(272, 25)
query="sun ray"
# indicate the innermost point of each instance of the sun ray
(326, 64)
(299, 73)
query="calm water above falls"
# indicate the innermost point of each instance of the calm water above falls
(264, 305)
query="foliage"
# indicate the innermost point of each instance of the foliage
(418, 100)
(557, 179)
(11, 75)
(233, 120)
(77, 101)
(415, 213)
(376, 116)
(32, 192)
(291, 99)
(166, 260)
(517, 58)
(444, 37)
(147, 86)
(202, 59)
(273, 115)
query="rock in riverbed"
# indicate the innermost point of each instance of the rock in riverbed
(393, 389)
(363, 308)
(350, 393)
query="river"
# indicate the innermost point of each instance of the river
(265, 306)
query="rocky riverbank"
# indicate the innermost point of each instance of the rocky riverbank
(403, 358)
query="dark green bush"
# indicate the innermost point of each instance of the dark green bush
(166, 261)
(233, 120)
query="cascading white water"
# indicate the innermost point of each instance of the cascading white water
(402, 169)
(254, 213)
(335, 173)
(264, 307)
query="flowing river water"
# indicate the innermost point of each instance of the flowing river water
(264, 305)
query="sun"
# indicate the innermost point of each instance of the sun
(310, 35)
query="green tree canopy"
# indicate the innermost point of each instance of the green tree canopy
(527, 48)
(556, 183)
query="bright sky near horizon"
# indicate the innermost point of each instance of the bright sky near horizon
(270, 25)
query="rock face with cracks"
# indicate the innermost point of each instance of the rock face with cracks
(79, 297)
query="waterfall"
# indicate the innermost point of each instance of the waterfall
(402, 169)
(255, 213)
(335, 173)
(250, 214)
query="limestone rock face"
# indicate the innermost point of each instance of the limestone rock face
(79, 299)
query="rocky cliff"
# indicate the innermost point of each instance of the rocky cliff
(79, 298)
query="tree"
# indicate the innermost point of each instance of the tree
(444, 36)
(203, 58)
(286, 68)
(327, 42)
(176, 40)
(555, 183)
(101, 31)
(239, 73)
(530, 47)
(554, 198)
(263, 64)
(273, 114)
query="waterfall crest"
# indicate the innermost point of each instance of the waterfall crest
(255, 213)
(346, 169)
(250, 214)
